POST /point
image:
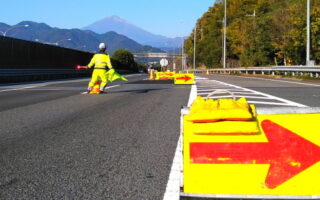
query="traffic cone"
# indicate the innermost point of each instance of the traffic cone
(96, 88)
(151, 75)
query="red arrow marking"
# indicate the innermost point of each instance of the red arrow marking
(185, 78)
(287, 153)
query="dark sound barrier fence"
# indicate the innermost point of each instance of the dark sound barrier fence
(22, 60)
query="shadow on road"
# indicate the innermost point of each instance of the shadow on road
(135, 90)
(152, 82)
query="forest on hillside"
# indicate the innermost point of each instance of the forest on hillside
(259, 33)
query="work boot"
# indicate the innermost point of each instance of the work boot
(102, 90)
(89, 90)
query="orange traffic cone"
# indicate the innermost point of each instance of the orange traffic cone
(151, 75)
(96, 88)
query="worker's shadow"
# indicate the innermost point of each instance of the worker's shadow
(139, 91)
(151, 82)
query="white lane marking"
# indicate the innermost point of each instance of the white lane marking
(221, 88)
(275, 80)
(229, 96)
(14, 89)
(193, 95)
(176, 175)
(173, 185)
(200, 78)
(134, 75)
(289, 103)
(241, 93)
(275, 104)
(36, 85)
(105, 88)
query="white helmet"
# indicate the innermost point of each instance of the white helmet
(102, 46)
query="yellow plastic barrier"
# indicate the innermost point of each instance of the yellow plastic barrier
(270, 156)
(217, 110)
(226, 128)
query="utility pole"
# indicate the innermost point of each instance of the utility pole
(225, 35)
(308, 33)
(182, 46)
(194, 47)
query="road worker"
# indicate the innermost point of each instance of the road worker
(102, 64)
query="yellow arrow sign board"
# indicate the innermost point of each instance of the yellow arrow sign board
(183, 79)
(165, 75)
(282, 160)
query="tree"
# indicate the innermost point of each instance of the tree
(124, 59)
(259, 33)
(315, 31)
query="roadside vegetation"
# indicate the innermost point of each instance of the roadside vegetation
(259, 33)
(124, 59)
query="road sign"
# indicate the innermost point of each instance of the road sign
(164, 62)
(282, 160)
(165, 75)
(184, 79)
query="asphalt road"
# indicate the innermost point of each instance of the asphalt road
(56, 143)
(300, 91)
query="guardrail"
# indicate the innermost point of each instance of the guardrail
(18, 75)
(313, 72)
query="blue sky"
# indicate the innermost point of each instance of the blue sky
(165, 17)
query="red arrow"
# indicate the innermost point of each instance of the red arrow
(287, 153)
(185, 78)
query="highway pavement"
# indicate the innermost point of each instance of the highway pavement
(58, 143)
(306, 92)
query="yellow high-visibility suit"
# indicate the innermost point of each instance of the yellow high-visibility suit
(102, 67)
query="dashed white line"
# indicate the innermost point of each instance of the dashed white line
(36, 85)
(14, 89)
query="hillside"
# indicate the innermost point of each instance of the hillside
(259, 33)
(80, 39)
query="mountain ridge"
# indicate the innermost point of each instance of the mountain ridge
(80, 39)
(123, 27)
